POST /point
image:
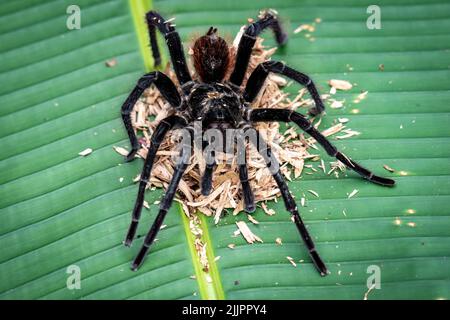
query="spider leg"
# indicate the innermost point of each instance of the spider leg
(289, 115)
(155, 20)
(158, 136)
(164, 207)
(289, 202)
(247, 192)
(259, 75)
(168, 91)
(248, 39)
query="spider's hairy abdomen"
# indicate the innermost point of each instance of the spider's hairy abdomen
(211, 57)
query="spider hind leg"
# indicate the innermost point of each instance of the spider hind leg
(273, 165)
(289, 115)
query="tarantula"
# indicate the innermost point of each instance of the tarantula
(222, 103)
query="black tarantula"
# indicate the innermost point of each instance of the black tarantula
(216, 101)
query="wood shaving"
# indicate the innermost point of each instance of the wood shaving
(252, 220)
(248, 235)
(199, 244)
(340, 84)
(333, 90)
(336, 104)
(360, 97)
(353, 193)
(322, 166)
(122, 151)
(291, 260)
(85, 152)
(308, 27)
(278, 241)
(269, 212)
(348, 133)
(111, 63)
(366, 295)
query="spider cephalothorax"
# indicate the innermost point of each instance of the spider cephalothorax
(212, 102)
(217, 102)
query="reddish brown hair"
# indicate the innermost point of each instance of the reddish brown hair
(211, 57)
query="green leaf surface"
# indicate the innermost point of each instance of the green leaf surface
(58, 209)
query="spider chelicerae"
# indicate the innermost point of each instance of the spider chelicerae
(221, 103)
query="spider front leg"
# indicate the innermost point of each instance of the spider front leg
(259, 75)
(158, 136)
(289, 115)
(274, 167)
(176, 51)
(165, 205)
(168, 91)
(246, 43)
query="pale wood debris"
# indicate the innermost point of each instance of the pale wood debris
(307, 27)
(340, 84)
(252, 220)
(111, 63)
(248, 235)
(353, 193)
(314, 193)
(122, 151)
(85, 152)
(291, 260)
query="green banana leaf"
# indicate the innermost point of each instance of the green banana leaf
(59, 209)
